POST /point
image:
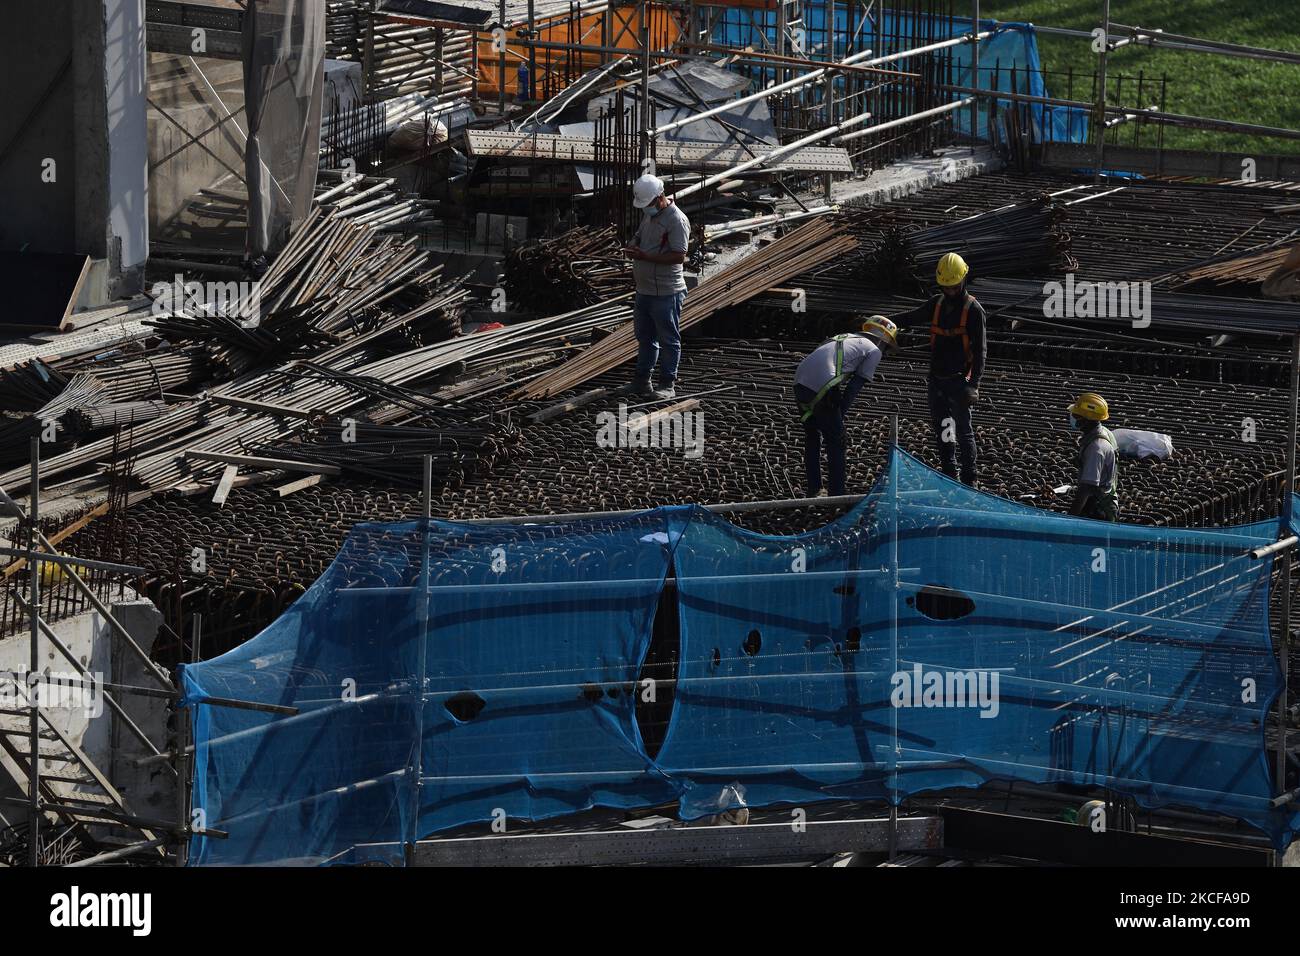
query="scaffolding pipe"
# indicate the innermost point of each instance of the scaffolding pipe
(1272, 549)
(150, 667)
(762, 94)
(1151, 115)
(558, 101)
(745, 225)
(34, 659)
(647, 118)
(774, 154)
(1175, 41)
(817, 76)
(1100, 122)
(924, 114)
(1288, 493)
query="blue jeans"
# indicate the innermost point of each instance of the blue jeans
(654, 319)
(826, 422)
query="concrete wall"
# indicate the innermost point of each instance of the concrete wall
(124, 65)
(37, 123)
(74, 93)
(150, 790)
(103, 738)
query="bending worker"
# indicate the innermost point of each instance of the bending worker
(958, 351)
(658, 252)
(1097, 494)
(849, 358)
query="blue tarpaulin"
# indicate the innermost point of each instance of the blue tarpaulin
(932, 637)
(1009, 55)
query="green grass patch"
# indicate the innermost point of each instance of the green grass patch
(1199, 84)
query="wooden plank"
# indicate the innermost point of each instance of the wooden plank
(84, 320)
(223, 486)
(253, 461)
(63, 533)
(686, 406)
(309, 482)
(41, 288)
(189, 489)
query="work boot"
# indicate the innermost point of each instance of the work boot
(665, 392)
(642, 388)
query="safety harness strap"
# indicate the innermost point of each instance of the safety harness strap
(834, 381)
(959, 329)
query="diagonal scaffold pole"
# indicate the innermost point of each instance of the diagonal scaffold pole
(34, 659)
(1288, 499)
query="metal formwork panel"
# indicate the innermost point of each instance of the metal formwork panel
(580, 149)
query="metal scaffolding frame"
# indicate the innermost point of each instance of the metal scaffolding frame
(41, 559)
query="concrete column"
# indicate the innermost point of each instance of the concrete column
(149, 790)
(126, 69)
(110, 131)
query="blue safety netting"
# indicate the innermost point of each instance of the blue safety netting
(1009, 59)
(932, 637)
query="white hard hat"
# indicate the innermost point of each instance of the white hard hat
(646, 190)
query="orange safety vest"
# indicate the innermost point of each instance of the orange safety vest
(959, 329)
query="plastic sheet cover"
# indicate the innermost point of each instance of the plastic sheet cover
(1013, 46)
(933, 637)
(284, 82)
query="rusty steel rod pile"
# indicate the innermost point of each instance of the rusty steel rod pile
(334, 277)
(1237, 272)
(395, 453)
(361, 373)
(1026, 237)
(580, 267)
(81, 392)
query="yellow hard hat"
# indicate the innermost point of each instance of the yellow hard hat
(53, 574)
(883, 327)
(952, 270)
(1091, 406)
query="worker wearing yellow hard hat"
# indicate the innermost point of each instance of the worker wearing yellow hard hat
(958, 351)
(847, 360)
(1097, 493)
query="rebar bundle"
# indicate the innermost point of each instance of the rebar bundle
(114, 415)
(1240, 272)
(30, 385)
(334, 278)
(82, 391)
(395, 453)
(137, 373)
(580, 267)
(1026, 237)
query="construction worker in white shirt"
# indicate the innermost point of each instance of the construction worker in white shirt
(850, 361)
